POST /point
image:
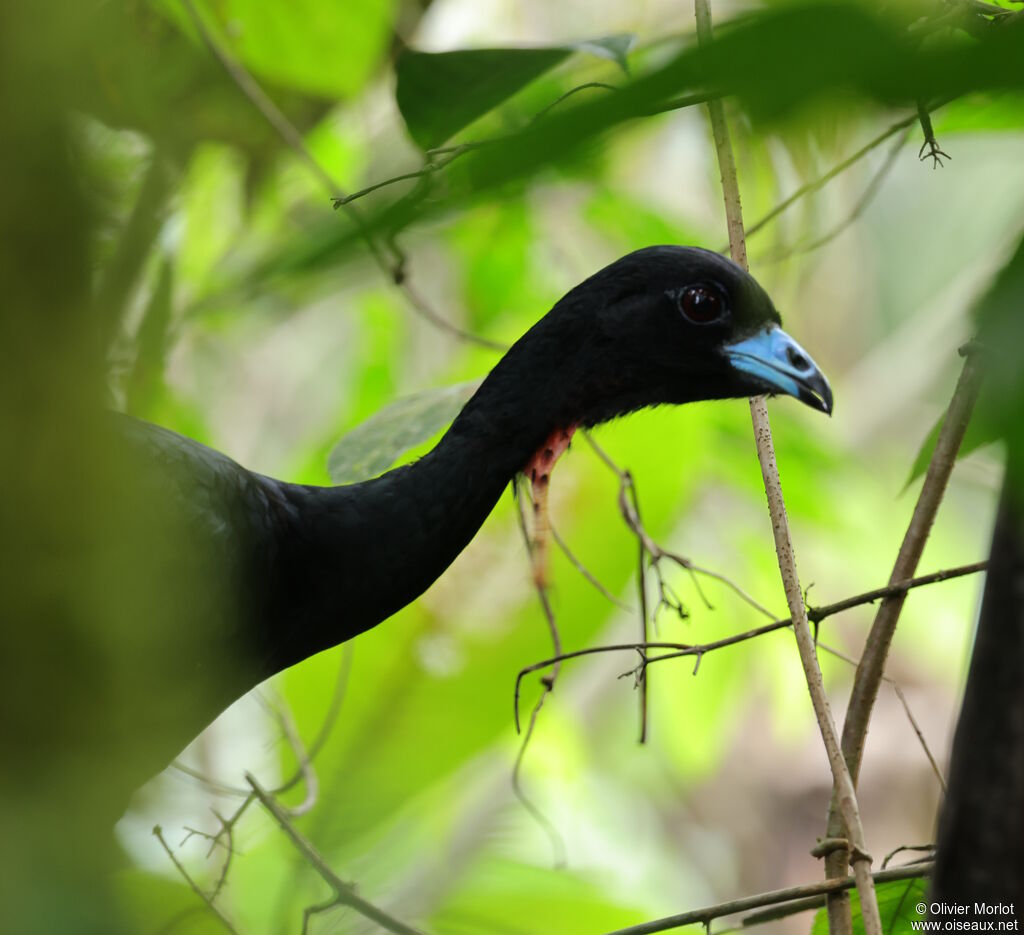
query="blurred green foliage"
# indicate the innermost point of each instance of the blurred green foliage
(166, 253)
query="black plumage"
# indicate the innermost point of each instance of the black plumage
(273, 572)
(980, 840)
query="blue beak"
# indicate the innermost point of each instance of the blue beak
(779, 365)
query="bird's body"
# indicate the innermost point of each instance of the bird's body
(272, 573)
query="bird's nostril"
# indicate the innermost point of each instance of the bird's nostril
(797, 359)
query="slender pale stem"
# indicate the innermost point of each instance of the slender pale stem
(871, 668)
(843, 783)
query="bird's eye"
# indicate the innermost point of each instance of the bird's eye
(701, 304)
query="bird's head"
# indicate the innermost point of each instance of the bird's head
(673, 325)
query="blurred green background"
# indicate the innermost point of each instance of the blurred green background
(167, 254)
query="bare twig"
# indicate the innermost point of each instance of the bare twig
(442, 156)
(876, 649)
(840, 167)
(393, 267)
(866, 197)
(588, 85)
(906, 710)
(629, 507)
(679, 650)
(214, 785)
(785, 910)
(345, 894)
(843, 783)
(774, 897)
(817, 614)
(307, 914)
(224, 836)
(920, 736)
(338, 696)
(631, 510)
(282, 714)
(547, 682)
(903, 848)
(158, 833)
(587, 574)
(655, 551)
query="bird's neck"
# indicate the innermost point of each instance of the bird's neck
(371, 548)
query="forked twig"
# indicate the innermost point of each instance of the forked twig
(679, 650)
(344, 892)
(158, 833)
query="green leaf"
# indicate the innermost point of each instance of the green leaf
(898, 902)
(615, 48)
(979, 112)
(439, 93)
(374, 445)
(317, 46)
(980, 432)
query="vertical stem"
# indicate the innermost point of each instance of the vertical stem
(876, 648)
(843, 784)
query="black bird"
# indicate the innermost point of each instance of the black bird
(268, 573)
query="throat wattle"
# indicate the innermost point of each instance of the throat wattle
(538, 470)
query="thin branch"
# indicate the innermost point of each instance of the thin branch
(546, 825)
(906, 710)
(876, 649)
(280, 712)
(898, 588)
(330, 719)
(428, 169)
(920, 736)
(861, 205)
(588, 575)
(338, 696)
(344, 892)
(631, 510)
(679, 650)
(654, 550)
(158, 833)
(772, 898)
(451, 153)
(547, 683)
(903, 848)
(842, 780)
(629, 507)
(393, 268)
(214, 785)
(316, 909)
(785, 910)
(838, 169)
(544, 111)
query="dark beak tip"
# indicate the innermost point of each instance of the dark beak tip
(827, 400)
(817, 394)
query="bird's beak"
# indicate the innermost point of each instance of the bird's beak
(779, 365)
